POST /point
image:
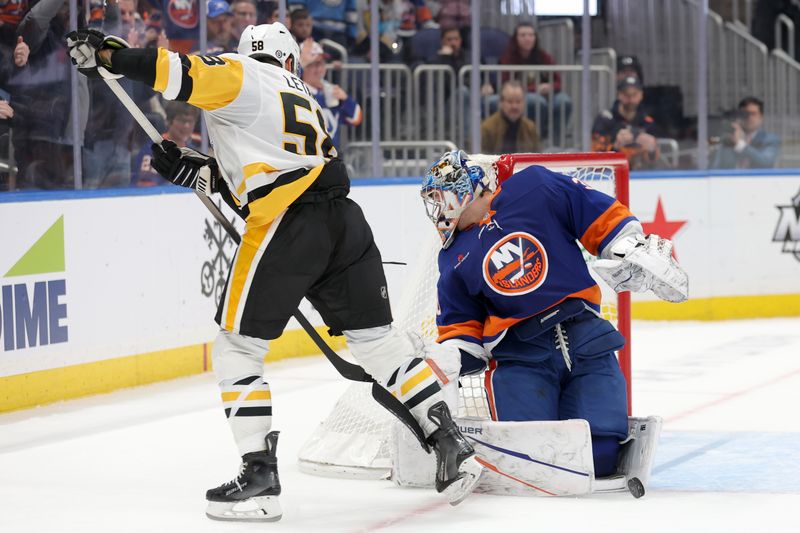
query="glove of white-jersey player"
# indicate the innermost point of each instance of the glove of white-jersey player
(186, 167)
(644, 263)
(84, 47)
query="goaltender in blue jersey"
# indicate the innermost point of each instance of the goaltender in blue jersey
(515, 292)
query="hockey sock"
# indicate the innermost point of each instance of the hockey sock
(395, 360)
(414, 383)
(248, 407)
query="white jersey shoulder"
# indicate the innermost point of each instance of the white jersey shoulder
(273, 125)
(262, 120)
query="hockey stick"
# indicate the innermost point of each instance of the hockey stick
(347, 369)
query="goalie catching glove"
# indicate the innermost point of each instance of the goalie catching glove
(643, 263)
(186, 167)
(84, 49)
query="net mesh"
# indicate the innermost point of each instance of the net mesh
(355, 437)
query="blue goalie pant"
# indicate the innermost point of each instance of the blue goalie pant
(530, 379)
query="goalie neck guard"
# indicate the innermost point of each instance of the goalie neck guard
(271, 41)
(450, 185)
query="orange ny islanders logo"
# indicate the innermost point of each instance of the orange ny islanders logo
(516, 264)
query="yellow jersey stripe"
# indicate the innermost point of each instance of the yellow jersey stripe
(264, 210)
(162, 70)
(251, 242)
(418, 378)
(251, 170)
(215, 85)
(259, 395)
(230, 396)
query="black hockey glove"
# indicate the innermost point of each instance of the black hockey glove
(84, 47)
(186, 167)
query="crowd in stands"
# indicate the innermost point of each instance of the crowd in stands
(523, 111)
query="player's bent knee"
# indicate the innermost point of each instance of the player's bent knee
(235, 355)
(380, 350)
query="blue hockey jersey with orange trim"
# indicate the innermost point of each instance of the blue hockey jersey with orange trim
(523, 257)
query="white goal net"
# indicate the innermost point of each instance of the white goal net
(354, 440)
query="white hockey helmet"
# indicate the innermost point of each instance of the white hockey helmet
(271, 40)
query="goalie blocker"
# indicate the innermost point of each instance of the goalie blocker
(551, 458)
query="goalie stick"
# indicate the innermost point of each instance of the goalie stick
(347, 369)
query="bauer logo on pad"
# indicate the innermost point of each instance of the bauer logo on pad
(516, 264)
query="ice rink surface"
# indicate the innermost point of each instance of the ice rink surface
(140, 460)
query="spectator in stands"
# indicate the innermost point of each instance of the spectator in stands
(509, 130)
(244, 14)
(267, 12)
(627, 127)
(133, 28)
(181, 120)
(301, 24)
(335, 20)
(544, 93)
(629, 67)
(219, 27)
(452, 52)
(41, 95)
(746, 144)
(302, 27)
(154, 34)
(106, 153)
(337, 106)
(454, 14)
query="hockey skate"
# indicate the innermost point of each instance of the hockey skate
(457, 467)
(253, 495)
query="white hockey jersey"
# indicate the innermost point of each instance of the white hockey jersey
(263, 123)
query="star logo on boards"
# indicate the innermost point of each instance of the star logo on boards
(787, 231)
(663, 227)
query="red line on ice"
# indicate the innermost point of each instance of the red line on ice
(419, 511)
(731, 396)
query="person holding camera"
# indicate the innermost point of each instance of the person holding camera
(745, 144)
(627, 127)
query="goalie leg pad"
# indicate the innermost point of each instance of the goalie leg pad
(238, 365)
(523, 458)
(638, 453)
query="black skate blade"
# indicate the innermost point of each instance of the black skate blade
(636, 487)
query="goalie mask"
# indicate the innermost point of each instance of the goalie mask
(273, 41)
(450, 185)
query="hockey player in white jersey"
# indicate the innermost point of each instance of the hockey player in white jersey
(276, 165)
